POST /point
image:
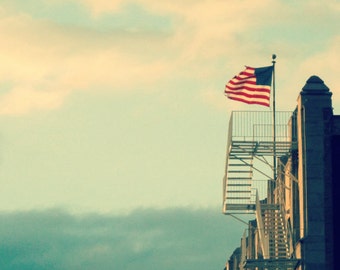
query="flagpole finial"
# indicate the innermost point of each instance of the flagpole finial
(273, 58)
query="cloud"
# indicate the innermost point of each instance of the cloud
(102, 6)
(323, 63)
(126, 46)
(145, 239)
(44, 62)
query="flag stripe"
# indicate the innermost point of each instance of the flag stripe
(259, 102)
(247, 95)
(241, 81)
(246, 86)
(251, 86)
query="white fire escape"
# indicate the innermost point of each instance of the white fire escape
(250, 181)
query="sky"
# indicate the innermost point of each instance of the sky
(114, 123)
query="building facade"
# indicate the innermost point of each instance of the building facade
(287, 178)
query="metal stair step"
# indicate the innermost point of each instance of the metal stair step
(239, 191)
(236, 207)
(238, 198)
(239, 185)
(246, 157)
(239, 171)
(241, 164)
(239, 178)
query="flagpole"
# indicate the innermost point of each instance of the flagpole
(274, 119)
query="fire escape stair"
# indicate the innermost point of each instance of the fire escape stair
(278, 244)
(239, 173)
(274, 226)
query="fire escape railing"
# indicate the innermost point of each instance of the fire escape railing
(250, 146)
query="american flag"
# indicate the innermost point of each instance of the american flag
(251, 86)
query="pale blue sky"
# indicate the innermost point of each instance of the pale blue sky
(108, 107)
